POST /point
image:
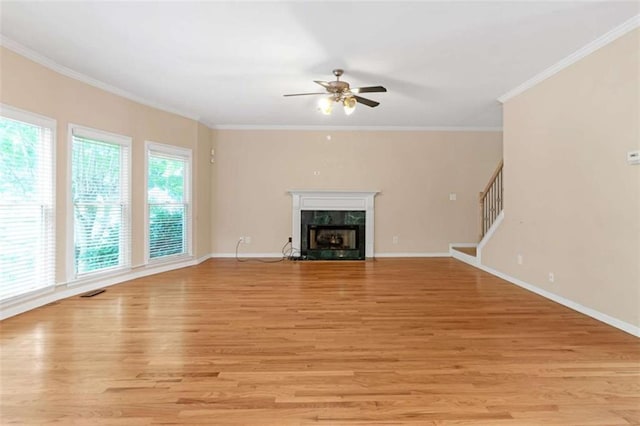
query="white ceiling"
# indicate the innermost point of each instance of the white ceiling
(229, 63)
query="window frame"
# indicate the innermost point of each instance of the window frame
(187, 155)
(49, 212)
(73, 276)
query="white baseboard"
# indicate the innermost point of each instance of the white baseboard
(203, 258)
(441, 254)
(462, 245)
(244, 255)
(614, 322)
(65, 290)
(269, 255)
(485, 239)
(463, 257)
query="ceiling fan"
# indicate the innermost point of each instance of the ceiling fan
(340, 91)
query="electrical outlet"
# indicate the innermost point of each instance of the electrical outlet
(552, 277)
(247, 240)
(290, 239)
(241, 239)
(520, 259)
(453, 196)
(395, 239)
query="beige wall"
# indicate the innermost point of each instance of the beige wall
(415, 172)
(572, 204)
(34, 88)
(202, 193)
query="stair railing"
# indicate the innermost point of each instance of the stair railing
(491, 200)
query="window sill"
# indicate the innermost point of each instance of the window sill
(168, 260)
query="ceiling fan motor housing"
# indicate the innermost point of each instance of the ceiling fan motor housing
(338, 86)
(340, 91)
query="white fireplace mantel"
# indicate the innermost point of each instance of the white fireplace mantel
(333, 200)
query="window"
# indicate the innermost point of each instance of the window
(168, 196)
(100, 198)
(27, 230)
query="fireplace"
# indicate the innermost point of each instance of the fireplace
(333, 224)
(332, 235)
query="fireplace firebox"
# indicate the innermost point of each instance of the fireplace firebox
(333, 235)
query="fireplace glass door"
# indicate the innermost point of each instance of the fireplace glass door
(333, 237)
(334, 242)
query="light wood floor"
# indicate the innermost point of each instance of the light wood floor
(415, 341)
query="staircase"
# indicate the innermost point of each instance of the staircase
(490, 207)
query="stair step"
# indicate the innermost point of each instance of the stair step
(471, 251)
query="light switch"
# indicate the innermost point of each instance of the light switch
(453, 196)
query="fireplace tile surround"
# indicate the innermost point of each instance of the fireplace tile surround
(332, 234)
(314, 200)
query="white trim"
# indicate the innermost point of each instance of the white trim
(176, 151)
(203, 258)
(464, 257)
(99, 134)
(145, 220)
(333, 200)
(353, 128)
(435, 254)
(28, 117)
(65, 290)
(61, 69)
(614, 322)
(244, 255)
(254, 255)
(47, 123)
(492, 229)
(596, 44)
(113, 138)
(69, 255)
(462, 245)
(182, 257)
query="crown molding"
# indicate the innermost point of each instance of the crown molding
(354, 128)
(68, 72)
(586, 50)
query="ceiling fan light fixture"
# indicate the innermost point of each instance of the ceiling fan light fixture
(341, 92)
(325, 105)
(349, 104)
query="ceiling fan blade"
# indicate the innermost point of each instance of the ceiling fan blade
(367, 102)
(324, 84)
(369, 89)
(304, 94)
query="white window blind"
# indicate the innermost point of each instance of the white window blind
(27, 226)
(100, 187)
(168, 196)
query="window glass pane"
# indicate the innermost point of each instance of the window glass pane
(168, 211)
(166, 230)
(19, 143)
(166, 179)
(100, 205)
(97, 230)
(96, 172)
(26, 208)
